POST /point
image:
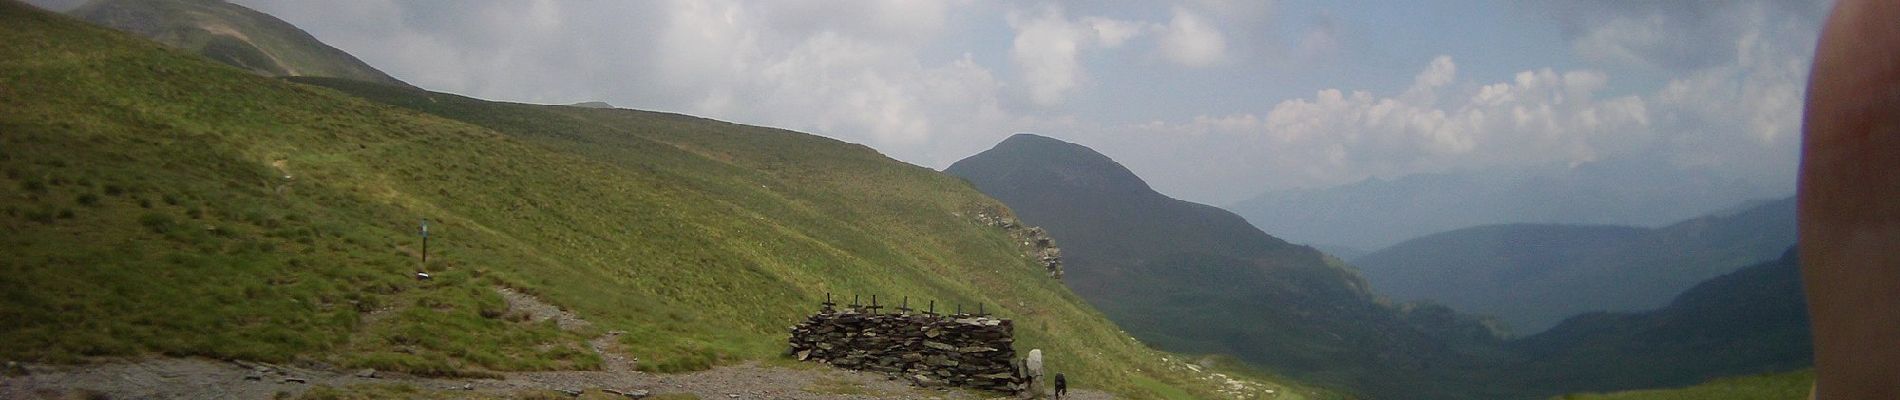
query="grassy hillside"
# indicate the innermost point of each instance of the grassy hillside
(1194, 278)
(158, 203)
(1782, 386)
(231, 34)
(1532, 276)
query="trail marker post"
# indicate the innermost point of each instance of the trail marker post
(425, 242)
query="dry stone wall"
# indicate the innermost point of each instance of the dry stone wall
(967, 350)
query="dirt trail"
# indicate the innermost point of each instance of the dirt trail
(197, 378)
(194, 378)
(541, 311)
(606, 345)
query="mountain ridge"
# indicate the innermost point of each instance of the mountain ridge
(1378, 212)
(1749, 321)
(1531, 276)
(1196, 278)
(233, 35)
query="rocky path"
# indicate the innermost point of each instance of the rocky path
(197, 378)
(193, 378)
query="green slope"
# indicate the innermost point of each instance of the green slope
(1194, 278)
(231, 34)
(1782, 386)
(1750, 321)
(1532, 276)
(157, 203)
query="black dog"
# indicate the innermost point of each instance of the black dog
(1062, 385)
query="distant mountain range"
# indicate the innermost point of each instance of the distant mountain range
(1376, 213)
(182, 232)
(1530, 276)
(1750, 321)
(1194, 278)
(233, 35)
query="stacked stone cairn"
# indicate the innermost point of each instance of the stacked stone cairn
(928, 349)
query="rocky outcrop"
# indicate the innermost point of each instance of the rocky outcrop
(967, 350)
(1036, 242)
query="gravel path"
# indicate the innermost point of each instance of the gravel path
(195, 378)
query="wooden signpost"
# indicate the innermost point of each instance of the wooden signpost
(425, 242)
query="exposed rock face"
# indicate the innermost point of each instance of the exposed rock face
(1036, 241)
(928, 349)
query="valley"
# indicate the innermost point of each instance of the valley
(1197, 279)
(202, 200)
(1531, 276)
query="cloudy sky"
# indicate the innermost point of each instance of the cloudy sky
(1210, 100)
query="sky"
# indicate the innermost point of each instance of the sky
(1209, 100)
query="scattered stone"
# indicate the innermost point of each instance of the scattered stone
(975, 349)
(366, 373)
(631, 394)
(1040, 246)
(292, 379)
(571, 392)
(929, 350)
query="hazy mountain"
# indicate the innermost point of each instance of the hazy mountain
(231, 34)
(1530, 276)
(593, 104)
(1750, 321)
(1341, 251)
(1195, 278)
(1376, 213)
(162, 205)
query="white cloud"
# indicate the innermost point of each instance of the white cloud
(1425, 85)
(1045, 51)
(1111, 33)
(1321, 42)
(932, 81)
(708, 46)
(1728, 104)
(857, 77)
(1048, 45)
(1679, 36)
(1738, 69)
(856, 72)
(1188, 40)
(1339, 136)
(1630, 41)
